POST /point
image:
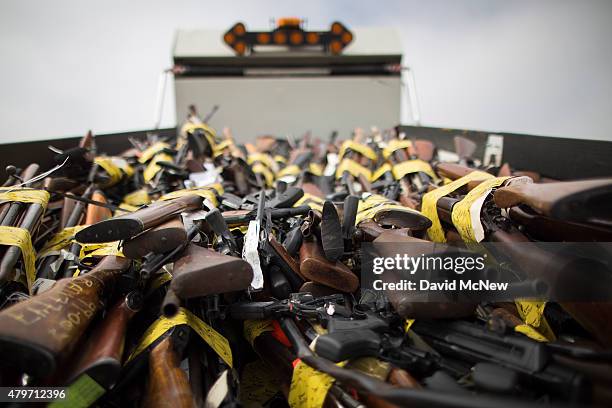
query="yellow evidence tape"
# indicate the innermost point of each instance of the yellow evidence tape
(59, 241)
(357, 147)
(21, 238)
(375, 203)
(151, 151)
(353, 168)
(394, 145)
(532, 313)
(430, 200)
(254, 329)
(309, 387)
(82, 393)
(213, 338)
(466, 213)
(153, 168)
(413, 166)
(207, 192)
(24, 195)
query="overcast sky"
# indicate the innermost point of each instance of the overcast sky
(541, 67)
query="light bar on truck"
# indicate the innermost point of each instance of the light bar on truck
(289, 32)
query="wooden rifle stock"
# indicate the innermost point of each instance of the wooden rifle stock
(580, 201)
(315, 267)
(168, 385)
(425, 149)
(36, 333)
(102, 353)
(130, 225)
(201, 272)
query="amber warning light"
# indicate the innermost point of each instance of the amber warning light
(289, 32)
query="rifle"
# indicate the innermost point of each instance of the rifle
(368, 385)
(96, 214)
(577, 201)
(538, 263)
(241, 217)
(129, 225)
(40, 331)
(413, 183)
(411, 305)
(14, 210)
(529, 359)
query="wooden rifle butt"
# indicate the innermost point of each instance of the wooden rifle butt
(201, 272)
(315, 267)
(42, 330)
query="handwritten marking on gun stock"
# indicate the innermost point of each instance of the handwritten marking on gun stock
(69, 303)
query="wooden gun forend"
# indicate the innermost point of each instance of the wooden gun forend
(130, 225)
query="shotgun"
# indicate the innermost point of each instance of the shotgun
(130, 225)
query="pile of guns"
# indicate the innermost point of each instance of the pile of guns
(199, 272)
